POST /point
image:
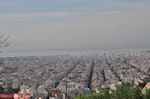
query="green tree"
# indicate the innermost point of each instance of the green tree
(124, 91)
(147, 94)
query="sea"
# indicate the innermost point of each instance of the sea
(22, 53)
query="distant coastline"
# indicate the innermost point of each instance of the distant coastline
(74, 52)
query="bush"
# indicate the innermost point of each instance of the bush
(124, 91)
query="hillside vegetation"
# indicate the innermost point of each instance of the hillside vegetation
(124, 91)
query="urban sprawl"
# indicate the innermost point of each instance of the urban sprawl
(67, 76)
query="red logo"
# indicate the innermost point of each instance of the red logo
(14, 96)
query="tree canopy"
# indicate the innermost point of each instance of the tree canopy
(124, 91)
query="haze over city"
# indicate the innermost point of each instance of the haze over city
(75, 24)
(74, 49)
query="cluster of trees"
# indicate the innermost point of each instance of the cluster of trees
(124, 91)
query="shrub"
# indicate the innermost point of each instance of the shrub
(124, 91)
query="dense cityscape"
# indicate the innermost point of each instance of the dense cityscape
(67, 76)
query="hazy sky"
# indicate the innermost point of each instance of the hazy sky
(64, 24)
